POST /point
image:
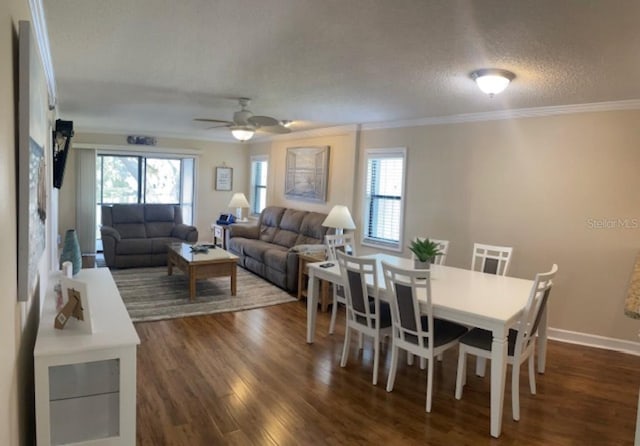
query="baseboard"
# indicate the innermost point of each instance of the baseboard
(589, 340)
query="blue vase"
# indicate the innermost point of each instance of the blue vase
(71, 251)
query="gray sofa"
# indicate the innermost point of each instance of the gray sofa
(270, 248)
(138, 234)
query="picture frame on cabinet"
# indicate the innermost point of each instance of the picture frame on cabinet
(77, 290)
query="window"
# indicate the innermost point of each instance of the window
(259, 165)
(384, 198)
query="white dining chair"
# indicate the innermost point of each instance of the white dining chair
(443, 245)
(491, 259)
(521, 341)
(366, 314)
(415, 330)
(334, 243)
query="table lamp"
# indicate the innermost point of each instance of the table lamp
(339, 218)
(239, 201)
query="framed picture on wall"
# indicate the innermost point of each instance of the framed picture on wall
(33, 129)
(224, 178)
(307, 173)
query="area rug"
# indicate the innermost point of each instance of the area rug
(150, 294)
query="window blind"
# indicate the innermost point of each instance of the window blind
(384, 198)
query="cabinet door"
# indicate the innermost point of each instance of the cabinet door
(84, 401)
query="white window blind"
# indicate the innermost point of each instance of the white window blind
(384, 198)
(259, 170)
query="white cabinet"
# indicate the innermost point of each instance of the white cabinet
(86, 383)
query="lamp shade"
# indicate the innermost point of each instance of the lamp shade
(492, 80)
(340, 218)
(238, 201)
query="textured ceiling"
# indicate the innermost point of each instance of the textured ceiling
(151, 66)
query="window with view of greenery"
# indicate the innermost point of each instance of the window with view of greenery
(140, 179)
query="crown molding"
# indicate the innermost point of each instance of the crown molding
(42, 38)
(631, 104)
(171, 135)
(312, 133)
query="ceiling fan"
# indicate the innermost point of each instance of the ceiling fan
(245, 124)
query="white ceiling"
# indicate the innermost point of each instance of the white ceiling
(151, 66)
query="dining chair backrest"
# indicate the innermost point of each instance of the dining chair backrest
(403, 287)
(339, 242)
(530, 320)
(355, 271)
(491, 259)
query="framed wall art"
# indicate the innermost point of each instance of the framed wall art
(224, 178)
(307, 173)
(33, 129)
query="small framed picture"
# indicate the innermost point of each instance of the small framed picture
(224, 178)
(76, 291)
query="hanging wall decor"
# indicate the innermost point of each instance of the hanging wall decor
(33, 187)
(307, 173)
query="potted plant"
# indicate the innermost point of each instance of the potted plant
(425, 251)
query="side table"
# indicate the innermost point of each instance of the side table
(220, 235)
(303, 275)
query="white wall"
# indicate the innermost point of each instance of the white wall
(342, 167)
(534, 184)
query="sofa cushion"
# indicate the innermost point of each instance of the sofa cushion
(160, 245)
(269, 222)
(127, 213)
(289, 227)
(159, 212)
(276, 259)
(159, 229)
(311, 229)
(257, 248)
(131, 230)
(134, 246)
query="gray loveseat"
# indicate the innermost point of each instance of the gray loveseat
(138, 234)
(270, 248)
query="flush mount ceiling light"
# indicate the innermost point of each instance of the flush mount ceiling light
(242, 132)
(492, 80)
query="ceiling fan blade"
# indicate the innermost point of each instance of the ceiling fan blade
(263, 121)
(220, 121)
(280, 129)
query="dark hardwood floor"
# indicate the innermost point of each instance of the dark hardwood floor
(249, 378)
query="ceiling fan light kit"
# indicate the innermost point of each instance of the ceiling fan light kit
(492, 80)
(242, 133)
(245, 124)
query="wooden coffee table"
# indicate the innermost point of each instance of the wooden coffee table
(215, 263)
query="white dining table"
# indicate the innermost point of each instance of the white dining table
(473, 298)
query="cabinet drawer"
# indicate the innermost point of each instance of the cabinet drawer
(83, 419)
(84, 379)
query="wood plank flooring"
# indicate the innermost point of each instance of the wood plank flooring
(249, 378)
